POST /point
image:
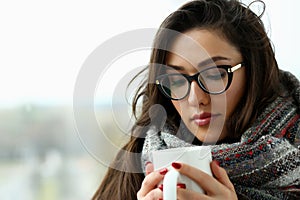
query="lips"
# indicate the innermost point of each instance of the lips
(203, 119)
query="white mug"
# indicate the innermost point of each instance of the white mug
(196, 156)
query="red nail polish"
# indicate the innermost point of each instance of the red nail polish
(163, 171)
(181, 185)
(161, 187)
(176, 165)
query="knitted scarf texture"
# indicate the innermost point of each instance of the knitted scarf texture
(265, 163)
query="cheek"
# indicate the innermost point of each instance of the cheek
(234, 96)
(177, 106)
(232, 101)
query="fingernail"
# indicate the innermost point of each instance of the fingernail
(176, 165)
(163, 171)
(161, 187)
(148, 162)
(181, 185)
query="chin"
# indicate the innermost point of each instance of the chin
(209, 137)
(210, 134)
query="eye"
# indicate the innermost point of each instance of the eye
(214, 74)
(177, 81)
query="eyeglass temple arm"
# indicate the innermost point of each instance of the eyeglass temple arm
(234, 68)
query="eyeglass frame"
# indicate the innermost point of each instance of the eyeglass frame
(229, 69)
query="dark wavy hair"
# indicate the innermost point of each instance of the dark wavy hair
(238, 25)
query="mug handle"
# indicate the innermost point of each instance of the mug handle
(170, 185)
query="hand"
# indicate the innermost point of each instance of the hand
(217, 187)
(149, 189)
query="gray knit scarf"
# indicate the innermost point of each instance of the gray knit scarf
(265, 163)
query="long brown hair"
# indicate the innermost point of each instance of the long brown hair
(243, 29)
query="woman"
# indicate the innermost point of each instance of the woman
(213, 80)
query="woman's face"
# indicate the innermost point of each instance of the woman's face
(205, 115)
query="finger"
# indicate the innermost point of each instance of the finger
(210, 185)
(153, 194)
(189, 194)
(149, 168)
(179, 185)
(221, 175)
(151, 181)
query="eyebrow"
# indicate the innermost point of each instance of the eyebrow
(204, 62)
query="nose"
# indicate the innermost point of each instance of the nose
(197, 96)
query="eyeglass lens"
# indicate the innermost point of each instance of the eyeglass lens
(212, 80)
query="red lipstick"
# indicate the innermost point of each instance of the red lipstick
(202, 119)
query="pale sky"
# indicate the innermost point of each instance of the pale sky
(43, 44)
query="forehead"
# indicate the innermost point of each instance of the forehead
(198, 45)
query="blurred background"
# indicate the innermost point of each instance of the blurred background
(43, 46)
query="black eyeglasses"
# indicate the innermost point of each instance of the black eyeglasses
(212, 80)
